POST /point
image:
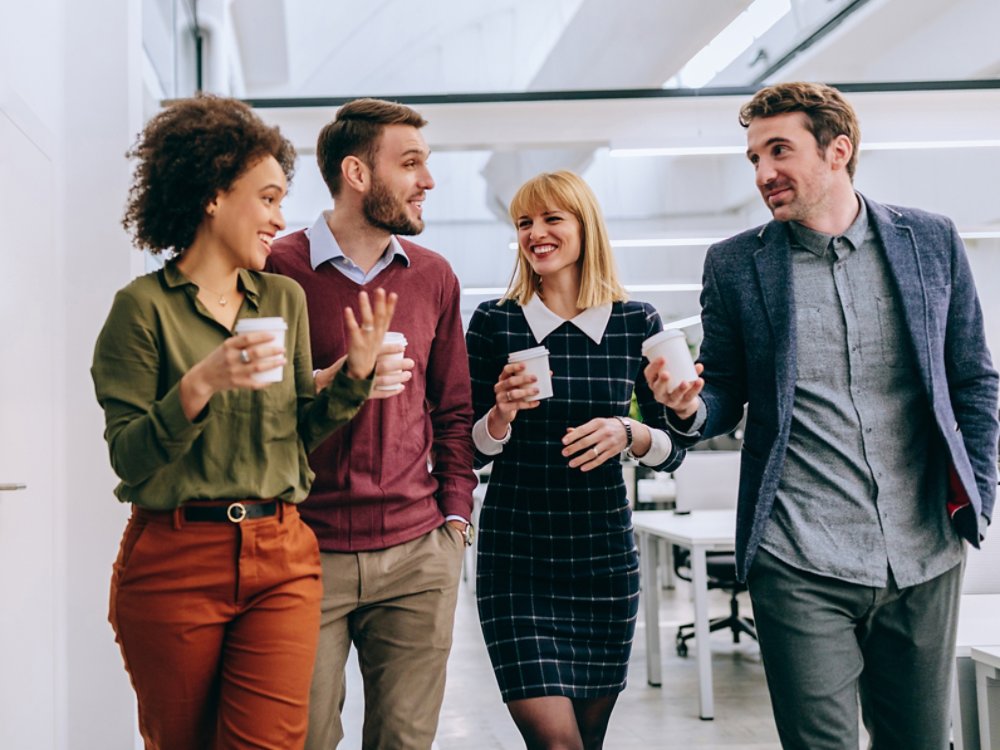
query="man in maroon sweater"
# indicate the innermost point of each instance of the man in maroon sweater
(393, 493)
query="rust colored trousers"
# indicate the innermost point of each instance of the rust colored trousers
(217, 623)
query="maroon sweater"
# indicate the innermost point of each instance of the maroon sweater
(403, 463)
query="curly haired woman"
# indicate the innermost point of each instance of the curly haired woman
(215, 592)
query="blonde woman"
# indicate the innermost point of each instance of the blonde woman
(558, 580)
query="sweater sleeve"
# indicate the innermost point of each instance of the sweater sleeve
(450, 399)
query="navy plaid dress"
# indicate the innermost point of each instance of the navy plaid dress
(557, 577)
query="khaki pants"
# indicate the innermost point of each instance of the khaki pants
(217, 625)
(397, 606)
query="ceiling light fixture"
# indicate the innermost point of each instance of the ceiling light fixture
(491, 291)
(741, 150)
(658, 242)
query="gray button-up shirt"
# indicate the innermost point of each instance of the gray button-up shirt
(863, 483)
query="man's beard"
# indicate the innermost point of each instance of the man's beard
(382, 210)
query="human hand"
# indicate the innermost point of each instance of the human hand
(325, 376)
(681, 398)
(511, 390)
(391, 372)
(229, 366)
(593, 442)
(365, 339)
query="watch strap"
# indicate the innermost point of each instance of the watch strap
(627, 424)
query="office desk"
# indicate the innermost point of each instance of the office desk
(978, 615)
(700, 531)
(987, 659)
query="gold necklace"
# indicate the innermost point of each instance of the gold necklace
(222, 297)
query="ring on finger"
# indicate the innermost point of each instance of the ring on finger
(596, 452)
(367, 328)
(509, 397)
(244, 356)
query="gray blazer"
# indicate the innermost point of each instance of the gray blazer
(749, 350)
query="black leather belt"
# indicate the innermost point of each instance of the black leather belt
(233, 513)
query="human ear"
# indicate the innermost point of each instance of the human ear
(355, 173)
(841, 150)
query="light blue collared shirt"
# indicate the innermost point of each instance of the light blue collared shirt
(323, 248)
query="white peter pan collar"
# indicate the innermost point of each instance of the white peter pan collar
(542, 321)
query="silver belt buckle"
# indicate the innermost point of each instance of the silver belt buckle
(236, 512)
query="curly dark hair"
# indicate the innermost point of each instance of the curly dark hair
(188, 154)
(828, 113)
(355, 132)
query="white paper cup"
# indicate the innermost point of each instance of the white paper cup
(276, 326)
(392, 337)
(536, 362)
(673, 347)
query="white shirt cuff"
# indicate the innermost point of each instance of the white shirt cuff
(485, 442)
(659, 448)
(456, 518)
(699, 421)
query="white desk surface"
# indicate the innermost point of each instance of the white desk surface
(706, 528)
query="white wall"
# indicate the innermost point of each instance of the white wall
(102, 114)
(70, 89)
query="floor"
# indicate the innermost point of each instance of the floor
(474, 718)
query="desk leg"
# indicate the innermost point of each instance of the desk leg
(988, 698)
(668, 579)
(649, 565)
(703, 648)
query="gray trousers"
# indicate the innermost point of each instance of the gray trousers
(826, 643)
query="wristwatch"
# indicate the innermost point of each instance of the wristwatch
(469, 534)
(627, 424)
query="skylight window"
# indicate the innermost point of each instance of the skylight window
(730, 43)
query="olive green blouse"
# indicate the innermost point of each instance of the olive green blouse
(244, 444)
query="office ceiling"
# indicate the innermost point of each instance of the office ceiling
(484, 150)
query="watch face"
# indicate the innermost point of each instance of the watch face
(470, 535)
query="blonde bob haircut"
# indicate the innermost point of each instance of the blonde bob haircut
(565, 191)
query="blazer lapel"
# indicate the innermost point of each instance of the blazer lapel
(904, 268)
(774, 276)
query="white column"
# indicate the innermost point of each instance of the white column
(102, 114)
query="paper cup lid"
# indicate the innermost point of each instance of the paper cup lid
(394, 337)
(658, 338)
(245, 325)
(521, 356)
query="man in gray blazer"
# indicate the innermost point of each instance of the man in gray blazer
(853, 334)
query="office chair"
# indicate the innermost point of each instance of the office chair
(721, 575)
(707, 480)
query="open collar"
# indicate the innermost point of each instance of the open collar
(323, 246)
